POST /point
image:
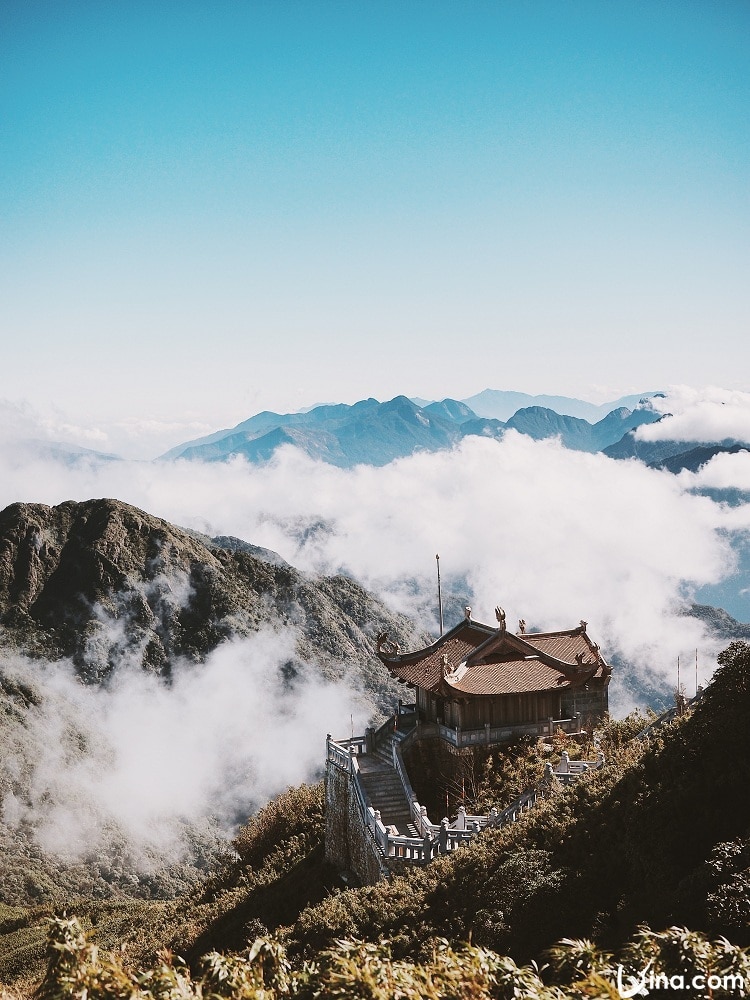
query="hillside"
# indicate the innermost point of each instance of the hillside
(102, 582)
(674, 456)
(137, 607)
(575, 433)
(502, 404)
(661, 834)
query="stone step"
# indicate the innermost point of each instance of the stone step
(388, 786)
(386, 801)
(386, 793)
(396, 818)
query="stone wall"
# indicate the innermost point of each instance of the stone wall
(590, 705)
(348, 842)
(435, 767)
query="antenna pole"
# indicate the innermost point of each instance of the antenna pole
(696, 673)
(678, 675)
(440, 596)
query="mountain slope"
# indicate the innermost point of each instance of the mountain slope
(125, 594)
(674, 456)
(575, 433)
(693, 458)
(100, 580)
(660, 835)
(370, 432)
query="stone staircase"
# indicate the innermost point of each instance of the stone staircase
(384, 788)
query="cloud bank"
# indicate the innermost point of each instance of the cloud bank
(149, 758)
(552, 535)
(710, 414)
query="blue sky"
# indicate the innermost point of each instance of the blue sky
(208, 209)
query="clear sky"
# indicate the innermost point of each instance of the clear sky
(208, 209)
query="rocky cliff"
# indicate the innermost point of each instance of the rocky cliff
(100, 580)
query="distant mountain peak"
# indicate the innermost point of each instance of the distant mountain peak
(375, 433)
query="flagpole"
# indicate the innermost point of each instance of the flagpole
(440, 596)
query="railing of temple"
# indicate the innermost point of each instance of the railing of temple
(670, 715)
(341, 751)
(496, 734)
(386, 729)
(445, 837)
(406, 716)
(337, 754)
(568, 770)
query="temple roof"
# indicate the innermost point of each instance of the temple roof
(474, 659)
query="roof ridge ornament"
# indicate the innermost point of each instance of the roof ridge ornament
(385, 645)
(500, 615)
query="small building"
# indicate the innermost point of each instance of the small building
(487, 681)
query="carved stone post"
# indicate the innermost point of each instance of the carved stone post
(461, 819)
(443, 836)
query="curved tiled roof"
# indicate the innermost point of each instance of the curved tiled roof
(474, 659)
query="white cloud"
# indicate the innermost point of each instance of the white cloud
(710, 414)
(219, 740)
(132, 438)
(722, 472)
(553, 535)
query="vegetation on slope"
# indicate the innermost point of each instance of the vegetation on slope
(77, 971)
(661, 835)
(275, 871)
(105, 583)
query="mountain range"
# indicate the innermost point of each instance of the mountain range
(376, 433)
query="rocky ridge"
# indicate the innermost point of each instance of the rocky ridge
(101, 580)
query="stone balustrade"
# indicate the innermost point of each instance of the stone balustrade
(446, 836)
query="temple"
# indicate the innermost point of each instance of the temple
(476, 688)
(489, 681)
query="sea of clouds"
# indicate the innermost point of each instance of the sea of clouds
(552, 535)
(142, 761)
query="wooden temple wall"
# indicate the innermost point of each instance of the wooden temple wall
(501, 710)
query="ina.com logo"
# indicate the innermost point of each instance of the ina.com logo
(648, 981)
